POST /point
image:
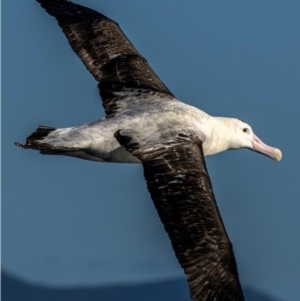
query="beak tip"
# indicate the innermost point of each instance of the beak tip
(278, 155)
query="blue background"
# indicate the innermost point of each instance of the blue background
(71, 224)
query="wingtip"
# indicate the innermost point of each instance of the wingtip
(68, 12)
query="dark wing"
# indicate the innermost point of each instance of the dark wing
(123, 74)
(180, 187)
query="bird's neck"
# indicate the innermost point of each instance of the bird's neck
(219, 138)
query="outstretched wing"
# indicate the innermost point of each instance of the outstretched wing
(123, 74)
(181, 190)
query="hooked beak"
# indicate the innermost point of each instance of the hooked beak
(260, 147)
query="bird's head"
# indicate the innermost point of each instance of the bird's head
(242, 136)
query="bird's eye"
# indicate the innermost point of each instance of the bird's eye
(245, 130)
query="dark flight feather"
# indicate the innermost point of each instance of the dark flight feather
(35, 141)
(181, 190)
(107, 53)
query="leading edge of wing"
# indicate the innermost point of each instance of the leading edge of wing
(177, 179)
(123, 74)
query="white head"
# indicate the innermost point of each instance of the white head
(242, 136)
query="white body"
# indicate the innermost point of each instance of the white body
(96, 140)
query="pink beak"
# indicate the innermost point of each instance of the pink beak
(260, 147)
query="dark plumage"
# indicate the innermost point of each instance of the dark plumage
(39, 134)
(35, 141)
(107, 53)
(181, 190)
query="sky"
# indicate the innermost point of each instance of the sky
(69, 222)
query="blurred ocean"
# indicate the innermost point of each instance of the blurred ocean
(15, 289)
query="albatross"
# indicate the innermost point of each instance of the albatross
(145, 123)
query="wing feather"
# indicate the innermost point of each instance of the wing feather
(123, 74)
(179, 184)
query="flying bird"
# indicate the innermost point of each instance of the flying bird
(146, 124)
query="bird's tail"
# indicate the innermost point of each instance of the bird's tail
(37, 141)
